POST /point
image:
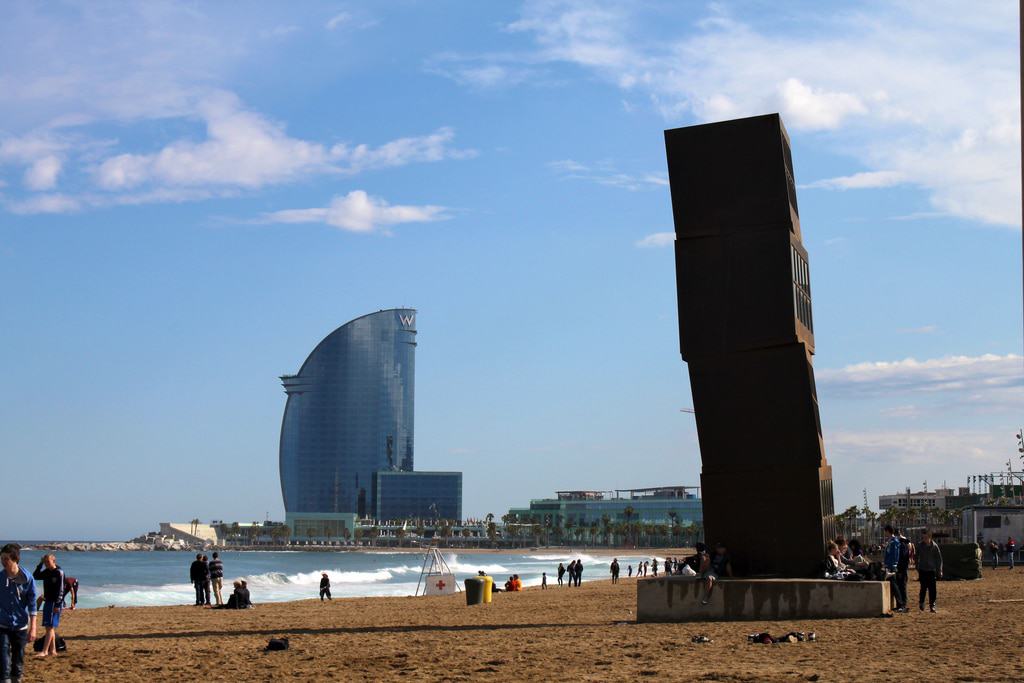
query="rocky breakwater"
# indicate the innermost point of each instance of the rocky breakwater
(146, 545)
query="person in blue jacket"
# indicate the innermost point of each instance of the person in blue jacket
(891, 560)
(17, 613)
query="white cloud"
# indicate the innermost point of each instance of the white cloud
(974, 378)
(926, 94)
(427, 148)
(657, 239)
(810, 108)
(605, 173)
(497, 70)
(42, 174)
(45, 203)
(965, 451)
(159, 62)
(242, 148)
(246, 150)
(337, 20)
(923, 329)
(858, 181)
(359, 212)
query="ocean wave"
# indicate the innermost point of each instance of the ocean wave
(337, 576)
(569, 557)
(471, 569)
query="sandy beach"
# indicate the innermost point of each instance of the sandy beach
(557, 634)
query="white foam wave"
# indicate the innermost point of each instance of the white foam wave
(569, 557)
(471, 569)
(335, 575)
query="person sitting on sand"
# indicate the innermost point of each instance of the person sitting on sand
(239, 598)
(509, 585)
(517, 585)
(715, 566)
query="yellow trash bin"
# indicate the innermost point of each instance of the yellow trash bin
(488, 587)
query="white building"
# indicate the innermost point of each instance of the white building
(935, 500)
(984, 523)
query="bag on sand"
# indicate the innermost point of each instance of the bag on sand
(276, 644)
(38, 644)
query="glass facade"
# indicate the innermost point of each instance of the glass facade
(349, 415)
(419, 495)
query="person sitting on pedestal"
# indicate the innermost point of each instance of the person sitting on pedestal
(715, 566)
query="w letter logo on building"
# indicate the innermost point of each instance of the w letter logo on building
(407, 320)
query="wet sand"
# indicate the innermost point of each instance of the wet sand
(559, 634)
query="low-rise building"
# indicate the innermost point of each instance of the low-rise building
(662, 505)
(939, 499)
(984, 523)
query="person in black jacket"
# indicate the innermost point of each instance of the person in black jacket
(217, 577)
(52, 577)
(199, 574)
(325, 587)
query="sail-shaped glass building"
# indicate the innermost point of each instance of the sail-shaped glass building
(350, 415)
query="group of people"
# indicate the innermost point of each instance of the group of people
(996, 550)
(574, 572)
(514, 584)
(19, 605)
(898, 555)
(207, 576)
(708, 566)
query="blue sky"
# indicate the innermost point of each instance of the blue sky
(193, 195)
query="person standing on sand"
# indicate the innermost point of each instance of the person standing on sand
(217, 577)
(892, 560)
(207, 581)
(52, 577)
(196, 578)
(615, 570)
(17, 613)
(561, 573)
(579, 572)
(325, 586)
(929, 568)
(1011, 547)
(571, 571)
(629, 571)
(544, 581)
(654, 566)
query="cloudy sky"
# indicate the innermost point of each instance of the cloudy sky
(193, 195)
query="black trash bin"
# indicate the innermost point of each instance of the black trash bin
(474, 591)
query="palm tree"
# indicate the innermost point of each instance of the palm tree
(569, 526)
(606, 529)
(235, 530)
(628, 514)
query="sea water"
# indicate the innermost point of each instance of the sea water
(133, 578)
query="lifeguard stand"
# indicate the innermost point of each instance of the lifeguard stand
(436, 578)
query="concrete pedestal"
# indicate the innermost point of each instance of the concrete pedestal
(678, 598)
